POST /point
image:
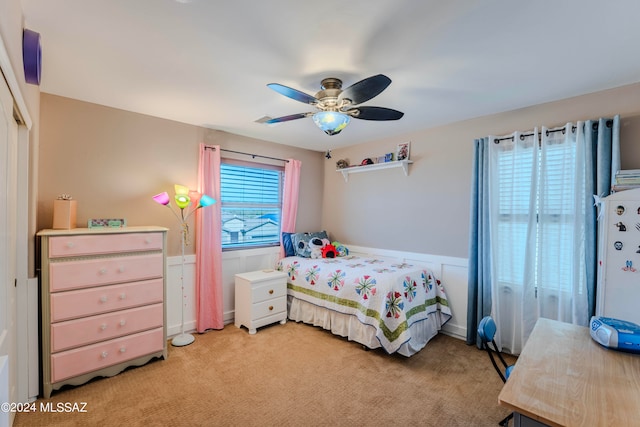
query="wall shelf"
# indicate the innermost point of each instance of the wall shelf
(404, 164)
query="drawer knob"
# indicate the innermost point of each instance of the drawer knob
(123, 322)
(121, 269)
(70, 245)
(122, 349)
(103, 326)
(270, 291)
(102, 271)
(104, 354)
(123, 296)
(103, 299)
(270, 307)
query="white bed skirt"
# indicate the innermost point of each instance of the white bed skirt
(350, 327)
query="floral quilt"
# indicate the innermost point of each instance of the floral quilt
(388, 295)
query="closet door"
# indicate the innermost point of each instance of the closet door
(8, 245)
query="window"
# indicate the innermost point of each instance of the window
(251, 204)
(538, 229)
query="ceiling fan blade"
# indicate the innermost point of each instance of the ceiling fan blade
(287, 118)
(293, 93)
(375, 113)
(365, 89)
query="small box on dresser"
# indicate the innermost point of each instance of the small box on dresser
(102, 302)
(261, 299)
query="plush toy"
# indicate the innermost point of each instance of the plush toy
(341, 250)
(329, 251)
(316, 244)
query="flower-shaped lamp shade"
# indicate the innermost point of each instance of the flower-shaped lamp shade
(162, 198)
(182, 200)
(331, 122)
(206, 201)
(181, 190)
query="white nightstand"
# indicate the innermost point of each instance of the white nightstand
(261, 299)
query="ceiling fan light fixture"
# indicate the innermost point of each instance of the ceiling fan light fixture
(331, 122)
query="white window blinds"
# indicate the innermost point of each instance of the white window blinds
(251, 204)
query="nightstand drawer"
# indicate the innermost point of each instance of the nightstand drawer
(66, 246)
(268, 308)
(276, 288)
(86, 359)
(103, 271)
(86, 302)
(88, 330)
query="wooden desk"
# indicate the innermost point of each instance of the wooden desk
(564, 378)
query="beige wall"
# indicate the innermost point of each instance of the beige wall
(113, 161)
(428, 211)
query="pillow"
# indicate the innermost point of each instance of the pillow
(301, 242)
(288, 244)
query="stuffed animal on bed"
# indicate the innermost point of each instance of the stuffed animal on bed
(316, 244)
(341, 250)
(329, 251)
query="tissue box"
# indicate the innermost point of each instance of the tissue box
(64, 214)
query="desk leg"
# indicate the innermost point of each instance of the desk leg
(520, 420)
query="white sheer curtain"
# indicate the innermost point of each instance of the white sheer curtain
(538, 225)
(561, 269)
(513, 172)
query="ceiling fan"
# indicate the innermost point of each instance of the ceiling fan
(338, 106)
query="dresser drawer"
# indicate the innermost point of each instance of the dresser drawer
(271, 289)
(89, 330)
(66, 246)
(82, 360)
(102, 271)
(85, 302)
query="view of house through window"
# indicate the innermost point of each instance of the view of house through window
(251, 204)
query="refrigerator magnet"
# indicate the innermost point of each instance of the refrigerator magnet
(618, 245)
(629, 267)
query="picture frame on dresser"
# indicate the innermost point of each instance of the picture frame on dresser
(103, 302)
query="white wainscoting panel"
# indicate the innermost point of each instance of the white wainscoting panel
(175, 297)
(451, 271)
(233, 262)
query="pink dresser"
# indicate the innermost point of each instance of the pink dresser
(102, 294)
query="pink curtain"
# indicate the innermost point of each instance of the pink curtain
(209, 307)
(290, 198)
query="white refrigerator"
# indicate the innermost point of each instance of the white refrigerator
(618, 292)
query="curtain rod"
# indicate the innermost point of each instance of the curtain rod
(563, 130)
(247, 154)
(524, 135)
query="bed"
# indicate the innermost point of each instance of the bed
(374, 301)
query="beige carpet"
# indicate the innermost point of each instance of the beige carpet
(290, 375)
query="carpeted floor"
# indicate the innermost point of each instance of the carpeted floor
(288, 375)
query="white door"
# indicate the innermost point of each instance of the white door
(8, 245)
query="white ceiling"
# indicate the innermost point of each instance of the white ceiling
(207, 62)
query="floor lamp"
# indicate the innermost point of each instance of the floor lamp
(183, 201)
